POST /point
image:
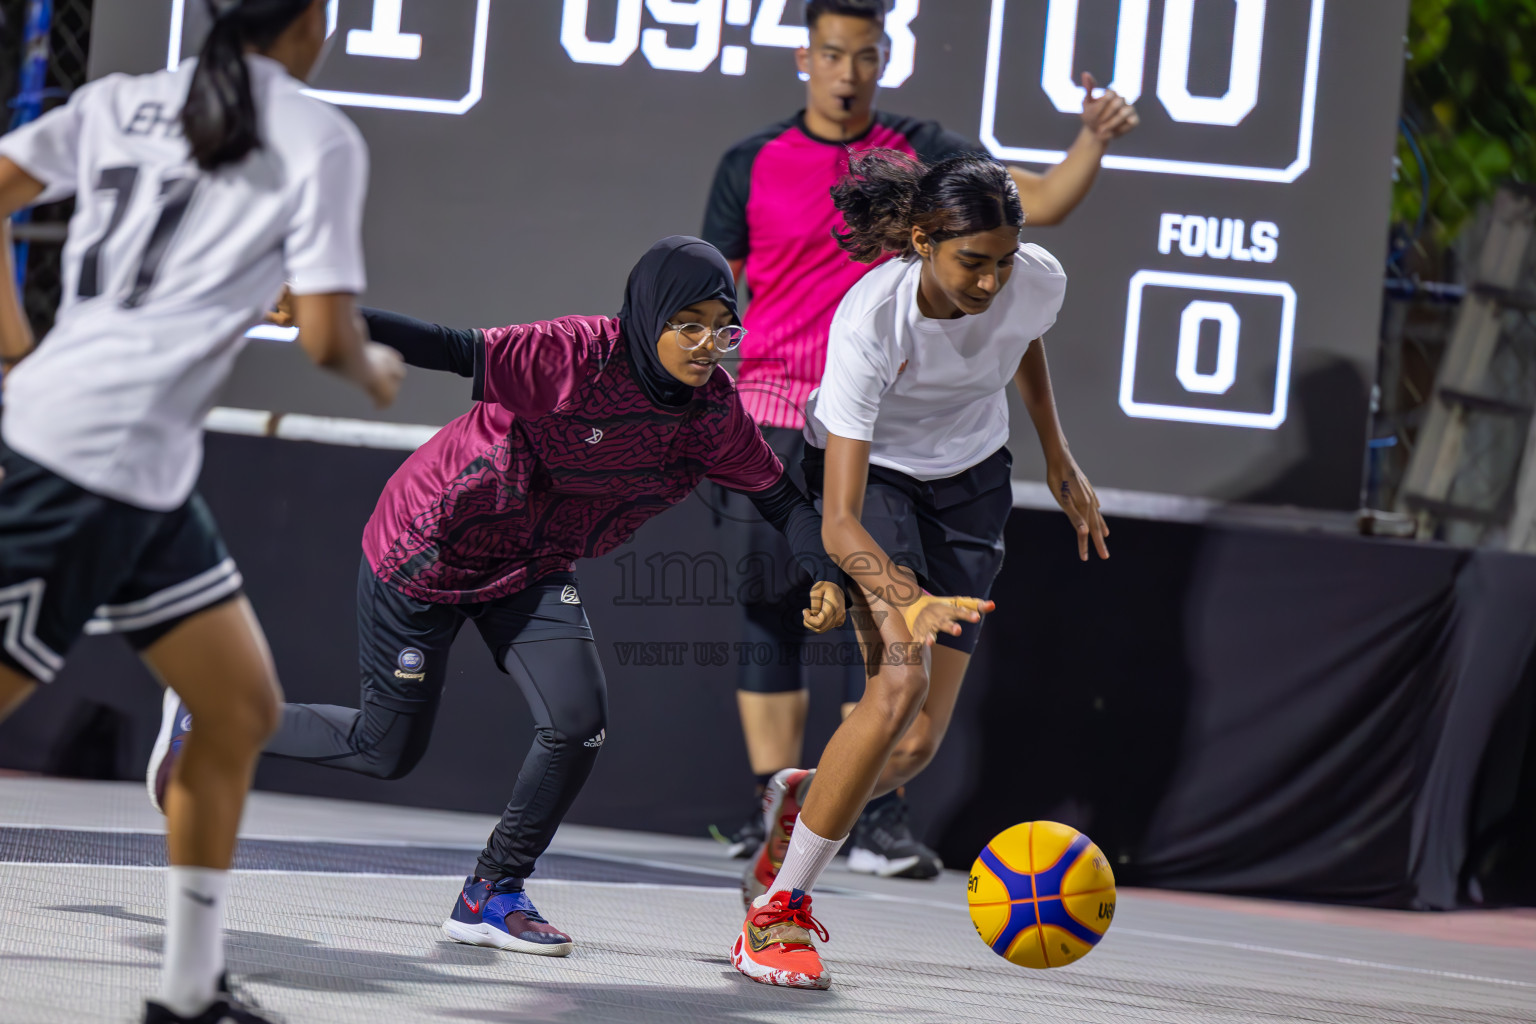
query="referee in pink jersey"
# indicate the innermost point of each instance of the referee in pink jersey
(771, 214)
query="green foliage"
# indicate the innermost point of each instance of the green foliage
(1470, 101)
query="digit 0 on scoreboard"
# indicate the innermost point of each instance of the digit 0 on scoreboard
(1206, 349)
(1247, 67)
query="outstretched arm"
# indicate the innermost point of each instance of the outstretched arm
(790, 512)
(868, 565)
(18, 190)
(526, 368)
(332, 333)
(429, 346)
(1049, 197)
(1069, 486)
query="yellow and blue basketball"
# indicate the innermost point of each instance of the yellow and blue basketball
(1042, 895)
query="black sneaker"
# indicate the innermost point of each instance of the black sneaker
(882, 843)
(226, 1010)
(747, 839)
(221, 1012)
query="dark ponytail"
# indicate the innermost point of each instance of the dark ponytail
(219, 119)
(886, 194)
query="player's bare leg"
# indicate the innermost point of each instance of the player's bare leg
(921, 740)
(219, 665)
(775, 944)
(774, 727)
(882, 841)
(855, 757)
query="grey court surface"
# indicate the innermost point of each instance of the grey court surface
(334, 918)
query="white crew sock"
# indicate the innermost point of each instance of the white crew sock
(194, 938)
(807, 857)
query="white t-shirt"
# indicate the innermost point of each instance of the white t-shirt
(167, 266)
(929, 395)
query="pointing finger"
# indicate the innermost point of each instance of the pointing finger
(972, 604)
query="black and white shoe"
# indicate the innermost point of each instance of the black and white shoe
(175, 723)
(221, 1012)
(882, 843)
(747, 839)
(227, 1009)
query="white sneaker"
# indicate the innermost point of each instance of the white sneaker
(175, 723)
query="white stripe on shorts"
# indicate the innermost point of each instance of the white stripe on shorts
(19, 607)
(211, 593)
(169, 594)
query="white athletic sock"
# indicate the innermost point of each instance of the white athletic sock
(807, 857)
(194, 938)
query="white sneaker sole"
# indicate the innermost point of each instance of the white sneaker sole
(169, 703)
(868, 862)
(772, 976)
(495, 938)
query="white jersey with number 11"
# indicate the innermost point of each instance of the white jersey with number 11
(167, 266)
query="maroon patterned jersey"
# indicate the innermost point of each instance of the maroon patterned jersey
(565, 458)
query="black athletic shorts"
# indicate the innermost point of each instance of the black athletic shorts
(783, 581)
(949, 532)
(72, 561)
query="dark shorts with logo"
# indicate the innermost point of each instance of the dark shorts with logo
(778, 579)
(404, 643)
(73, 561)
(949, 532)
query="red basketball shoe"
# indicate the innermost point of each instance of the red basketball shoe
(775, 946)
(782, 801)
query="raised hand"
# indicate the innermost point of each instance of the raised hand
(1107, 115)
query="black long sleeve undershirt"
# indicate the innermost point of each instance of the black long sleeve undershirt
(430, 346)
(790, 512)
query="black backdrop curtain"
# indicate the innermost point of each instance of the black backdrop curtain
(1256, 712)
(1221, 708)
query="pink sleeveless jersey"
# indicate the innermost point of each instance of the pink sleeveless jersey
(771, 206)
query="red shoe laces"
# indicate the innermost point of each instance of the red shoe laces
(781, 913)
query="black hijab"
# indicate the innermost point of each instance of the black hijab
(674, 274)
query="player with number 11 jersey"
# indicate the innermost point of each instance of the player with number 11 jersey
(198, 191)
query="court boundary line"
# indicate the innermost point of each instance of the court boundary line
(398, 876)
(1247, 947)
(404, 844)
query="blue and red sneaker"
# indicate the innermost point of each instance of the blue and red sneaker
(175, 723)
(500, 915)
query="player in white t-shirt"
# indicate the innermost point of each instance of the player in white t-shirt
(197, 192)
(905, 449)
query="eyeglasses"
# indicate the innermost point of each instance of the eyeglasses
(693, 336)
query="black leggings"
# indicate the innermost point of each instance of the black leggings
(538, 636)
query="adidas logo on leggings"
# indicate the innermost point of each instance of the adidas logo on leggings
(597, 741)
